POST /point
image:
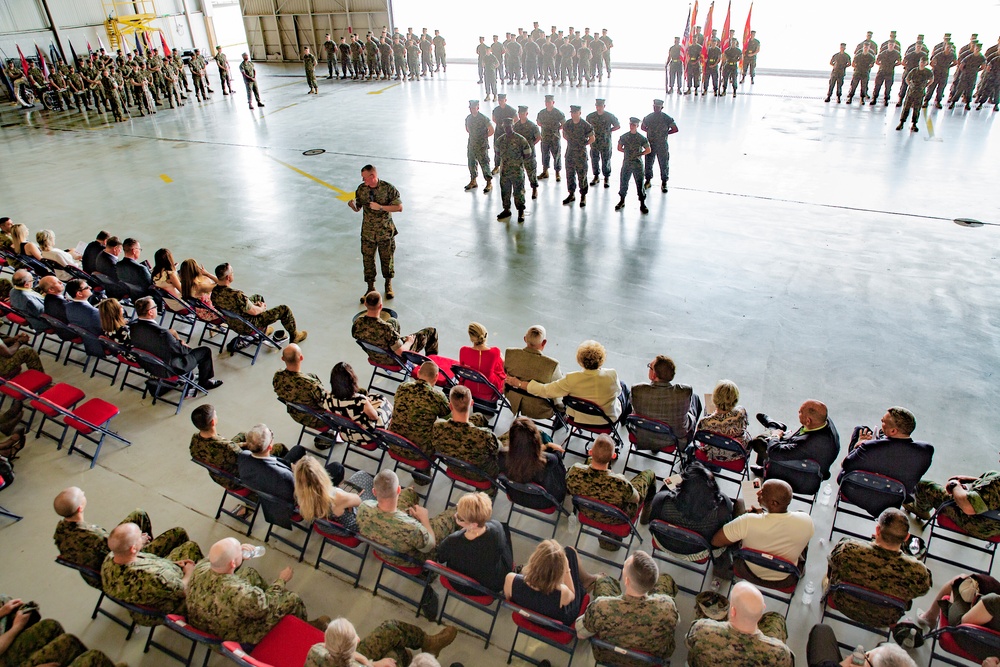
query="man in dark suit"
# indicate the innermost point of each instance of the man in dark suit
(817, 439)
(893, 453)
(55, 302)
(27, 300)
(148, 335)
(80, 312)
(93, 249)
(262, 471)
(106, 261)
(134, 274)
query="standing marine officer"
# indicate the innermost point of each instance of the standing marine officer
(657, 126)
(377, 200)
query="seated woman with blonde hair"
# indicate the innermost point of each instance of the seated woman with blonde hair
(386, 646)
(553, 583)
(729, 419)
(481, 548)
(485, 359)
(46, 244)
(318, 498)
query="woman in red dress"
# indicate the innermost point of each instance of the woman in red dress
(485, 359)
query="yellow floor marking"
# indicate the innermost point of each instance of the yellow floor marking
(166, 179)
(382, 90)
(289, 106)
(341, 194)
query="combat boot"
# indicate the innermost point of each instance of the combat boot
(642, 206)
(472, 185)
(489, 186)
(534, 193)
(371, 288)
(504, 214)
(583, 201)
(606, 183)
(900, 126)
(595, 181)
(544, 174)
(434, 643)
(620, 205)
(388, 290)
(570, 199)
(647, 185)
(663, 186)
(558, 176)
(520, 215)
(496, 170)
(914, 128)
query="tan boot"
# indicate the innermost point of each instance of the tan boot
(434, 643)
(388, 290)
(371, 288)
(472, 185)
(320, 623)
(299, 336)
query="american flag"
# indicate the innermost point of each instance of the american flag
(687, 34)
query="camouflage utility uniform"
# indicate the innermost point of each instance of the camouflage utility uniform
(417, 406)
(389, 640)
(303, 388)
(513, 153)
(983, 495)
(712, 643)
(385, 334)
(643, 624)
(151, 581)
(401, 532)
(469, 443)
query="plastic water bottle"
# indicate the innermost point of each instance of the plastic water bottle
(807, 595)
(253, 552)
(859, 657)
(824, 498)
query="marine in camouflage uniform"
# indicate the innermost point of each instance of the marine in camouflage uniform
(389, 640)
(309, 61)
(224, 76)
(357, 58)
(512, 153)
(633, 146)
(111, 92)
(887, 61)
(46, 642)
(643, 624)
(500, 111)
(78, 87)
(712, 58)
(969, 69)
(197, 65)
(303, 388)
(839, 62)
(578, 134)
(221, 453)
(731, 65)
(240, 606)
(385, 334)
(155, 64)
(250, 81)
(469, 443)
(532, 135)
(605, 124)
(227, 298)
(916, 83)
(658, 126)
(863, 63)
(151, 581)
(612, 488)
(59, 86)
(92, 78)
(385, 58)
(479, 129)
(172, 81)
(712, 643)
(413, 59)
(941, 64)
(87, 543)
(331, 57)
(872, 566)
(983, 493)
(426, 56)
(378, 231)
(675, 66)
(418, 405)
(401, 532)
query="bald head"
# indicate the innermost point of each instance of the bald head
(428, 372)
(812, 414)
(776, 496)
(69, 502)
(50, 285)
(125, 540)
(746, 606)
(225, 555)
(292, 354)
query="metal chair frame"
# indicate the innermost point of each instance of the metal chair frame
(417, 461)
(661, 531)
(294, 523)
(945, 532)
(620, 523)
(464, 374)
(165, 377)
(538, 625)
(340, 538)
(197, 637)
(635, 423)
(243, 498)
(723, 469)
(415, 572)
(589, 432)
(398, 373)
(797, 473)
(449, 578)
(865, 482)
(867, 595)
(772, 562)
(550, 516)
(259, 336)
(462, 474)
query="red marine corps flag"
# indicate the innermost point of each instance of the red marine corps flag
(708, 32)
(746, 33)
(24, 61)
(724, 35)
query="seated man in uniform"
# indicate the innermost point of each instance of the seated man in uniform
(145, 579)
(43, 642)
(879, 565)
(638, 613)
(530, 363)
(972, 496)
(418, 405)
(396, 520)
(384, 333)
(240, 606)
(86, 544)
(252, 308)
(893, 453)
(817, 439)
(737, 641)
(598, 482)
(771, 529)
(661, 399)
(457, 438)
(294, 386)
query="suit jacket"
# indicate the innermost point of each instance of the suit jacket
(153, 338)
(821, 445)
(527, 364)
(135, 274)
(599, 386)
(32, 304)
(56, 307)
(106, 263)
(84, 315)
(903, 459)
(272, 476)
(90, 254)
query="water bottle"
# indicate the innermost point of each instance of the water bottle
(253, 552)
(807, 595)
(824, 499)
(859, 657)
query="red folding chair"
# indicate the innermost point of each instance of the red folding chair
(546, 630)
(286, 645)
(616, 527)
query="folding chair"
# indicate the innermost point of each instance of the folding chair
(867, 596)
(93, 578)
(197, 637)
(546, 630)
(128, 360)
(804, 476)
(959, 640)
(163, 377)
(4, 483)
(242, 494)
(617, 528)
(98, 352)
(408, 456)
(868, 492)
(614, 654)
(286, 645)
(552, 424)
(944, 529)
(589, 431)
(768, 561)
(334, 534)
(533, 501)
(67, 335)
(57, 396)
(400, 564)
(90, 421)
(74, 272)
(24, 386)
(326, 433)
(490, 408)
(37, 267)
(112, 287)
(466, 476)
(178, 310)
(636, 425)
(671, 541)
(734, 471)
(398, 371)
(213, 323)
(445, 379)
(18, 322)
(258, 337)
(278, 512)
(359, 440)
(457, 586)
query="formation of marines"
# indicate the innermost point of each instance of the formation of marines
(698, 65)
(925, 73)
(389, 56)
(538, 58)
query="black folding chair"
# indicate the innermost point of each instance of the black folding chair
(358, 440)
(865, 495)
(258, 338)
(445, 379)
(535, 502)
(398, 371)
(178, 311)
(610, 655)
(344, 540)
(327, 433)
(402, 565)
(281, 513)
(244, 496)
(804, 476)
(458, 586)
(614, 527)
(552, 424)
(70, 337)
(213, 324)
(98, 352)
(489, 407)
(671, 541)
(4, 483)
(588, 431)
(775, 591)
(466, 476)
(961, 640)
(866, 596)
(734, 471)
(163, 379)
(407, 455)
(943, 528)
(638, 426)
